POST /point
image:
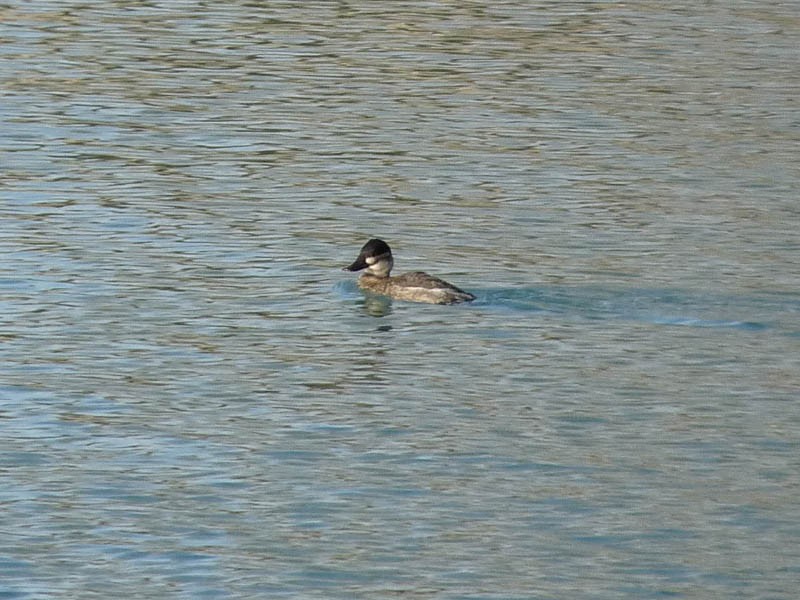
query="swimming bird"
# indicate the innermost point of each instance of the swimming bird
(376, 261)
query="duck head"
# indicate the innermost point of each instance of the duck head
(375, 259)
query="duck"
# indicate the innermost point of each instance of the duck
(376, 260)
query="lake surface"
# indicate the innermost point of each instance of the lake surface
(196, 402)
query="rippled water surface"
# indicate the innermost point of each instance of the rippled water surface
(196, 402)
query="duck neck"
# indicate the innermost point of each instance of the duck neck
(380, 268)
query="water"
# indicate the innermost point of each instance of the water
(196, 402)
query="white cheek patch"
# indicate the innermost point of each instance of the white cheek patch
(371, 260)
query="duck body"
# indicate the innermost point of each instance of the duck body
(415, 287)
(375, 259)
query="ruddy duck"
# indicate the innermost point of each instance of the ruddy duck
(376, 260)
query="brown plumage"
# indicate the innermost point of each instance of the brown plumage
(376, 260)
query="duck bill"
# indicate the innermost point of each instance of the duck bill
(357, 265)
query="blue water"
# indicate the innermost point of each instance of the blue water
(659, 306)
(196, 402)
(656, 306)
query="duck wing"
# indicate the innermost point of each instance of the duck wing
(423, 280)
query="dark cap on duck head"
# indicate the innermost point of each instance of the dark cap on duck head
(372, 249)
